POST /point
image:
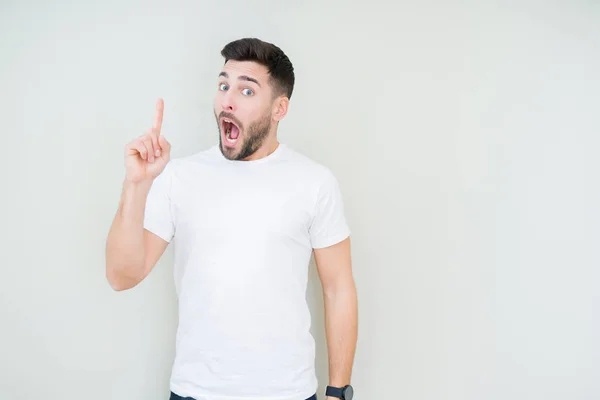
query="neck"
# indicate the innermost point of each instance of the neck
(269, 146)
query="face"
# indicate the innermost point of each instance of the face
(246, 110)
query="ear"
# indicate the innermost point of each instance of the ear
(280, 107)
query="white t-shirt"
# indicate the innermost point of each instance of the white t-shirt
(243, 234)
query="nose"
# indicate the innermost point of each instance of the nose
(227, 102)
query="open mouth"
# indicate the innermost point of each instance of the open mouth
(230, 130)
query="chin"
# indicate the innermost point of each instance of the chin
(230, 152)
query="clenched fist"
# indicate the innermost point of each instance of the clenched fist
(147, 155)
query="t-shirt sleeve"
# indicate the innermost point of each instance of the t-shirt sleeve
(158, 216)
(329, 225)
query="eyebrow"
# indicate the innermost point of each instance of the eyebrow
(241, 78)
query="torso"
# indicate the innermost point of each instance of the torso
(242, 250)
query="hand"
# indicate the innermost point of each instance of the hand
(147, 156)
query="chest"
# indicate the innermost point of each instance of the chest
(220, 209)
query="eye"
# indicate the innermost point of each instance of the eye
(247, 92)
(223, 86)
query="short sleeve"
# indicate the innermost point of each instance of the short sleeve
(158, 217)
(329, 224)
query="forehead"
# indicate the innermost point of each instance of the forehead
(234, 69)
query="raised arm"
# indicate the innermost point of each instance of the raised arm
(132, 251)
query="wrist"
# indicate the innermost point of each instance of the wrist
(133, 198)
(135, 192)
(137, 186)
(343, 392)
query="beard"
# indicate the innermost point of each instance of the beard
(252, 138)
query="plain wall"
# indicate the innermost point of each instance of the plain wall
(464, 134)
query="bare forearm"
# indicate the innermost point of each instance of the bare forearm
(125, 242)
(341, 324)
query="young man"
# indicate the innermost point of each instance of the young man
(245, 216)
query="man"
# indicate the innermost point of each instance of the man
(245, 216)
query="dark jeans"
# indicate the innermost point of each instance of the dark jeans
(176, 397)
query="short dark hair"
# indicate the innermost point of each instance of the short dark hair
(267, 54)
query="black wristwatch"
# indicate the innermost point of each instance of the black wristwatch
(344, 393)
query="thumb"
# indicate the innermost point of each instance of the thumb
(165, 146)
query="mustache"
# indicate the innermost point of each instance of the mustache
(230, 116)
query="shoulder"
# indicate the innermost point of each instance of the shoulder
(309, 168)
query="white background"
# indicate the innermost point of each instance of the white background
(464, 134)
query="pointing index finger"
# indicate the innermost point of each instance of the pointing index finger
(158, 118)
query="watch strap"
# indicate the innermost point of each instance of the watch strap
(334, 392)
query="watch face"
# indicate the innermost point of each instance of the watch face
(348, 393)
